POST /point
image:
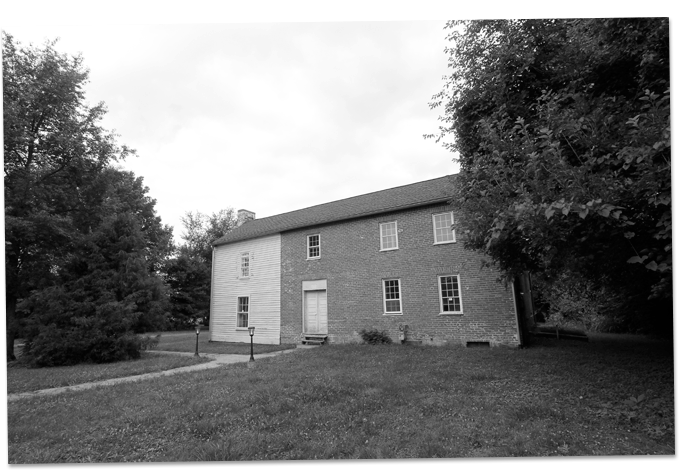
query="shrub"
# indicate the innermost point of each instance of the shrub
(571, 300)
(115, 349)
(374, 336)
(61, 347)
(61, 331)
(148, 342)
(128, 347)
(182, 323)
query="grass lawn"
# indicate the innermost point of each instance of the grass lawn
(25, 379)
(186, 341)
(606, 397)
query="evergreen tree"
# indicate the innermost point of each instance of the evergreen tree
(108, 286)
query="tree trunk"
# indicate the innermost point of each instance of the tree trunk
(11, 303)
(526, 287)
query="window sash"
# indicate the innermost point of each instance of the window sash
(245, 265)
(391, 289)
(243, 312)
(388, 236)
(449, 294)
(443, 231)
(314, 246)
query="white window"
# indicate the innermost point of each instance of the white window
(313, 246)
(443, 228)
(388, 236)
(243, 312)
(245, 264)
(449, 294)
(392, 296)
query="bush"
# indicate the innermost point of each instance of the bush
(63, 347)
(115, 349)
(182, 323)
(573, 301)
(62, 332)
(374, 336)
(148, 342)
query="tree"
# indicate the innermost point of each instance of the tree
(188, 279)
(189, 273)
(202, 229)
(108, 286)
(563, 134)
(67, 210)
(53, 147)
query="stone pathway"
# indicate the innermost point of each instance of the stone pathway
(218, 361)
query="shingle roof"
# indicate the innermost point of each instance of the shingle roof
(402, 197)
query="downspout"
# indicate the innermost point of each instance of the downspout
(212, 290)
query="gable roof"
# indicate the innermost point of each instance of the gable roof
(402, 197)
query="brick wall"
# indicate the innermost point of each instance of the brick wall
(354, 267)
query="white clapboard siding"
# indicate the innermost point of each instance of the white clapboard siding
(263, 287)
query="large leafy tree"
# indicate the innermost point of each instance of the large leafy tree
(189, 273)
(60, 190)
(200, 230)
(563, 134)
(53, 146)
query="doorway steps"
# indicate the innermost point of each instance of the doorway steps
(318, 340)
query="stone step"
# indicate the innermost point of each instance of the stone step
(314, 339)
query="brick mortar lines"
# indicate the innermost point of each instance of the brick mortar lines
(354, 268)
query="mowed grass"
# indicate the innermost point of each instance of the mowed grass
(185, 341)
(605, 397)
(24, 379)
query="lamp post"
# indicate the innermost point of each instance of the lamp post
(251, 330)
(197, 333)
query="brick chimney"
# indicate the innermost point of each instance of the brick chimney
(243, 216)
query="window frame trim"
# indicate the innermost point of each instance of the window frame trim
(308, 247)
(395, 222)
(452, 222)
(238, 297)
(400, 296)
(459, 286)
(240, 266)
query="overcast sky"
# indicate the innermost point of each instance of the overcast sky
(270, 117)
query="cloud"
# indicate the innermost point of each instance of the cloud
(271, 117)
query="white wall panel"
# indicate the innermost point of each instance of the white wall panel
(263, 286)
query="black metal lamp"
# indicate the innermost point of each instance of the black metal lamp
(251, 330)
(197, 333)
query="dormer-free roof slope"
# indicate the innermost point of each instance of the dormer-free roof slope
(388, 200)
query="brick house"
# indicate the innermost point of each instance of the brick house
(387, 259)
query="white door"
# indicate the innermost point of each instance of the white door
(316, 312)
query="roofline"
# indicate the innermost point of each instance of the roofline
(359, 195)
(356, 216)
